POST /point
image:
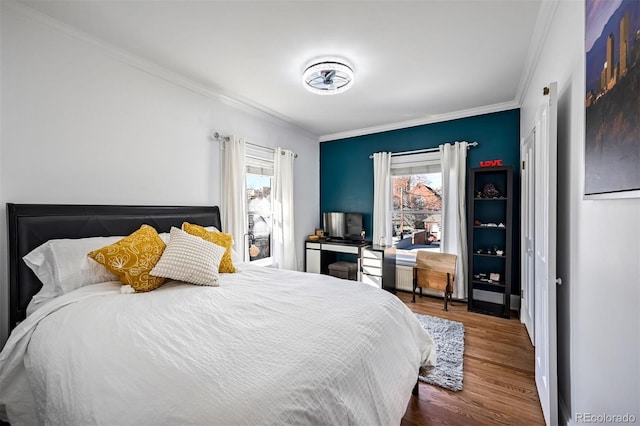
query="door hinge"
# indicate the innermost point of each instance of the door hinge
(521, 293)
(522, 164)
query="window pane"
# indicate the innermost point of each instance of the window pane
(417, 206)
(258, 193)
(259, 235)
(260, 216)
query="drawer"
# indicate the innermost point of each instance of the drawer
(370, 254)
(372, 280)
(371, 270)
(376, 263)
(313, 246)
(340, 249)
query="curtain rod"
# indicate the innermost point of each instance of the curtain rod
(422, 151)
(217, 136)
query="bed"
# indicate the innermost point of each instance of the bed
(266, 346)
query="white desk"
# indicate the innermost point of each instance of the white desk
(319, 254)
(376, 264)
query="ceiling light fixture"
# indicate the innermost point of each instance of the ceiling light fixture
(328, 78)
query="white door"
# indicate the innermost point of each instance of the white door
(545, 176)
(527, 198)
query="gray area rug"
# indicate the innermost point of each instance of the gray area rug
(448, 337)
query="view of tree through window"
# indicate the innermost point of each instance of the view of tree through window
(417, 206)
(260, 215)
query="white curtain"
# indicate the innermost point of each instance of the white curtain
(454, 211)
(234, 217)
(381, 198)
(283, 226)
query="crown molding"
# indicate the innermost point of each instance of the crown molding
(159, 71)
(543, 23)
(503, 106)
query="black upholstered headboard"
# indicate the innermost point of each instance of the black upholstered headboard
(31, 225)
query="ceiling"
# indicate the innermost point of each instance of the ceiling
(415, 62)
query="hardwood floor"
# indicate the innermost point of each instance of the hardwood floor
(499, 383)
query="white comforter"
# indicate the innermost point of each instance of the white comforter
(266, 347)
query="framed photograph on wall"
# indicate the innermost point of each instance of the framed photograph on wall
(612, 99)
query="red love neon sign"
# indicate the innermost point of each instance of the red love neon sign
(491, 163)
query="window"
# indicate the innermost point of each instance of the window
(416, 181)
(259, 182)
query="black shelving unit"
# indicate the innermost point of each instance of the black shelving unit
(490, 227)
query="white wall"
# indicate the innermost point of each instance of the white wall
(81, 125)
(598, 246)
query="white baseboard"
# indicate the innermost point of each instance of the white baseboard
(515, 303)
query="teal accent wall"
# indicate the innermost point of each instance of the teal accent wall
(346, 171)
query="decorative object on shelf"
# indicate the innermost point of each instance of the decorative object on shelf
(319, 232)
(490, 191)
(494, 276)
(495, 251)
(501, 225)
(313, 237)
(328, 77)
(477, 223)
(382, 242)
(362, 235)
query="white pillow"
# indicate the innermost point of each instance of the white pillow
(189, 259)
(164, 236)
(63, 266)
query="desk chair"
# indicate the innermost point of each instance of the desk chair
(435, 271)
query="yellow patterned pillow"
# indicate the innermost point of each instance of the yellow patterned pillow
(131, 258)
(219, 238)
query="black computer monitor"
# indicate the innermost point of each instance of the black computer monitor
(353, 226)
